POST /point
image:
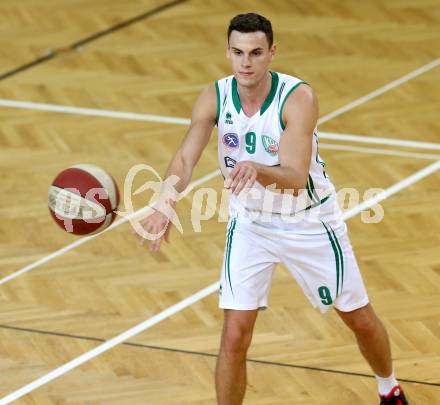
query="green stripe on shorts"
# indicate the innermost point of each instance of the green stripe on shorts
(341, 256)
(338, 256)
(228, 252)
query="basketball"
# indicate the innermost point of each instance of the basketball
(83, 198)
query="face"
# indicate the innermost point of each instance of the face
(250, 56)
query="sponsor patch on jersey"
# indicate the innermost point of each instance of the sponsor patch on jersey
(228, 119)
(229, 162)
(270, 145)
(230, 140)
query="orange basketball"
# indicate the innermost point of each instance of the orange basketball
(83, 199)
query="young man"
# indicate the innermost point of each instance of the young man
(268, 154)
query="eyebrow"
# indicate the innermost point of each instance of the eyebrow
(253, 50)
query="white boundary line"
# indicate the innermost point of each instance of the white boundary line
(29, 105)
(378, 151)
(381, 90)
(186, 121)
(194, 184)
(203, 293)
(135, 330)
(85, 239)
(378, 140)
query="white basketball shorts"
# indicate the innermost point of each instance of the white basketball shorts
(323, 265)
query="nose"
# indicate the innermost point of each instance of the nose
(246, 61)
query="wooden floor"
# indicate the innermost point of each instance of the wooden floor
(158, 65)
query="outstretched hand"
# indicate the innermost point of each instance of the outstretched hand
(158, 225)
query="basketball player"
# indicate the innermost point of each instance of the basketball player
(268, 152)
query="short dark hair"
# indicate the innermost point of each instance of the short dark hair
(251, 22)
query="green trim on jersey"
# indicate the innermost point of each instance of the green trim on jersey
(235, 96)
(311, 190)
(269, 98)
(284, 102)
(272, 92)
(315, 204)
(217, 91)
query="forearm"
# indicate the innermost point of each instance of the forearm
(182, 171)
(285, 179)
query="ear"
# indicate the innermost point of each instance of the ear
(228, 50)
(272, 51)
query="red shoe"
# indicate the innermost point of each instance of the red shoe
(395, 397)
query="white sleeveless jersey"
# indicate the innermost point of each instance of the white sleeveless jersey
(257, 139)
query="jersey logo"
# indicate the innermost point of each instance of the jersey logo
(229, 162)
(228, 119)
(270, 145)
(230, 140)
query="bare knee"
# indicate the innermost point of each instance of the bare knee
(362, 321)
(237, 335)
(236, 342)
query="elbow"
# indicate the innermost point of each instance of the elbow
(293, 189)
(298, 191)
(297, 184)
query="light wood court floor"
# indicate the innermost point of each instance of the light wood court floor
(56, 312)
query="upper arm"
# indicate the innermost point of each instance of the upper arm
(300, 115)
(202, 123)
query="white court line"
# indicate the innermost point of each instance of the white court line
(378, 140)
(86, 239)
(87, 356)
(194, 184)
(380, 90)
(378, 151)
(186, 121)
(182, 121)
(135, 330)
(29, 105)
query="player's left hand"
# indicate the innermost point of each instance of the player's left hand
(242, 176)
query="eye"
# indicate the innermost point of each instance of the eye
(237, 52)
(257, 53)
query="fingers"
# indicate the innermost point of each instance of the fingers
(235, 177)
(167, 233)
(243, 178)
(155, 227)
(239, 186)
(155, 245)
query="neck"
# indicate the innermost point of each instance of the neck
(252, 98)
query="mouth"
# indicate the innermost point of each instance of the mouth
(246, 74)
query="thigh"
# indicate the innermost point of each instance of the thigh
(247, 269)
(325, 267)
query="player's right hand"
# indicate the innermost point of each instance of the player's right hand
(156, 224)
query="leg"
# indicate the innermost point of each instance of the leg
(372, 338)
(230, 373)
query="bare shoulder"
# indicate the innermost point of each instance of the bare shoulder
(301, 107)
(303, 95)
(206, 105)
